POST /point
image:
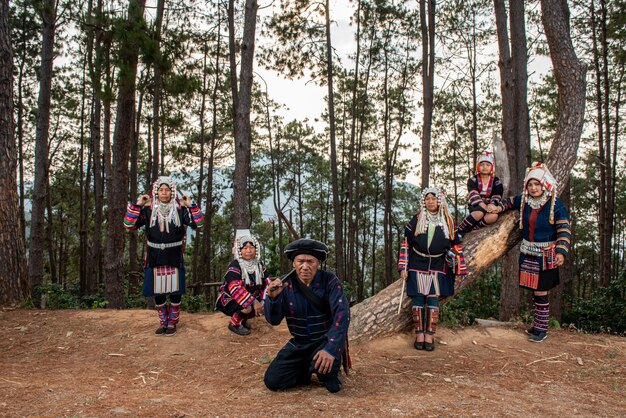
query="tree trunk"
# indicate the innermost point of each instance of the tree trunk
(338, 221)
(117, 192)
(37, 231)
(133, 261)
(13, 267)
(377, 315)
(156, 90)
(54, 278)
(242, 100)
(427, 24)
(515, 131)
(198, 238)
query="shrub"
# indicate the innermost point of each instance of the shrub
(480, 299)
(604, 311)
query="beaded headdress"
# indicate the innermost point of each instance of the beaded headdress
(443, 213)
(486, 156)
(164, 213)
(248, 267)
(539, 171)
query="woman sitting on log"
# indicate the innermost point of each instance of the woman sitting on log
(485, 192)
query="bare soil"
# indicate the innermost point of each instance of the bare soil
(110, 363)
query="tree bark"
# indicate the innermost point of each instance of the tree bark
(242, 100)
(515, 131)
(377, 315)
(13, 267)
(338, 220)
(156, 90)
(37, 230)
(117, 191)
(427, 24)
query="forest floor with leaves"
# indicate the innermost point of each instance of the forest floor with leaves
(109, 363)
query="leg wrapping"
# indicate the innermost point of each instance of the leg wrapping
(174, 313)
(418, 319)
(163, 313)
(433, 317)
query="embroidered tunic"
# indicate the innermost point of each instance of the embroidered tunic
(541, 242)
(306, 323)
(429, 274)
(235, 289)
(170, 254)
(478, 192)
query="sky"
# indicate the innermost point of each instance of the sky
(304, 99)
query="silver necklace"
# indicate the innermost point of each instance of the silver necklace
(537, 202)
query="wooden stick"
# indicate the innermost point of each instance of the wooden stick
(544, 359)
(401, 296)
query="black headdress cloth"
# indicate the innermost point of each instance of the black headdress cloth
(312, 247)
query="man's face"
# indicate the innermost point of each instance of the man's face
(306, 266)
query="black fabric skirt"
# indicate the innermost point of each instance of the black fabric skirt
(533, 277)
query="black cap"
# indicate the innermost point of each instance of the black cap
(312, 247)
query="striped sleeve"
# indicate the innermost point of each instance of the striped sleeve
(511, 203)
(563, 230)
(196, 217)
(133, 219)
(403, 257)
(235, 286)
(472, 192)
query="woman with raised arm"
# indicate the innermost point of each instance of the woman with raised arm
(165, 219)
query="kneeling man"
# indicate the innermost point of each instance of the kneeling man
(318, 316)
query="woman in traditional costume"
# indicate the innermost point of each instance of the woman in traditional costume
(485, 192)
(165, 219)
(430, 258)
(546, 235)
(241, 295)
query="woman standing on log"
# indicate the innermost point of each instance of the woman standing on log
(546, 235)
(165, 220)
(427, 259)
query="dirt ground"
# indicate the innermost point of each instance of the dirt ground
(109, 363)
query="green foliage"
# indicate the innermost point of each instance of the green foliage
(604, 311)
(57, 296)
(481, 299)
(194, 303)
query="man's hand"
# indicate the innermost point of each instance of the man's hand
(404, 275)
(274, 288)
(258, 308)
(491, 208)
(185, 201)
(143, 200)
(323, 362)
(559, 259)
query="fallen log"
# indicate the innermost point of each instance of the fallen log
(378, 315)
